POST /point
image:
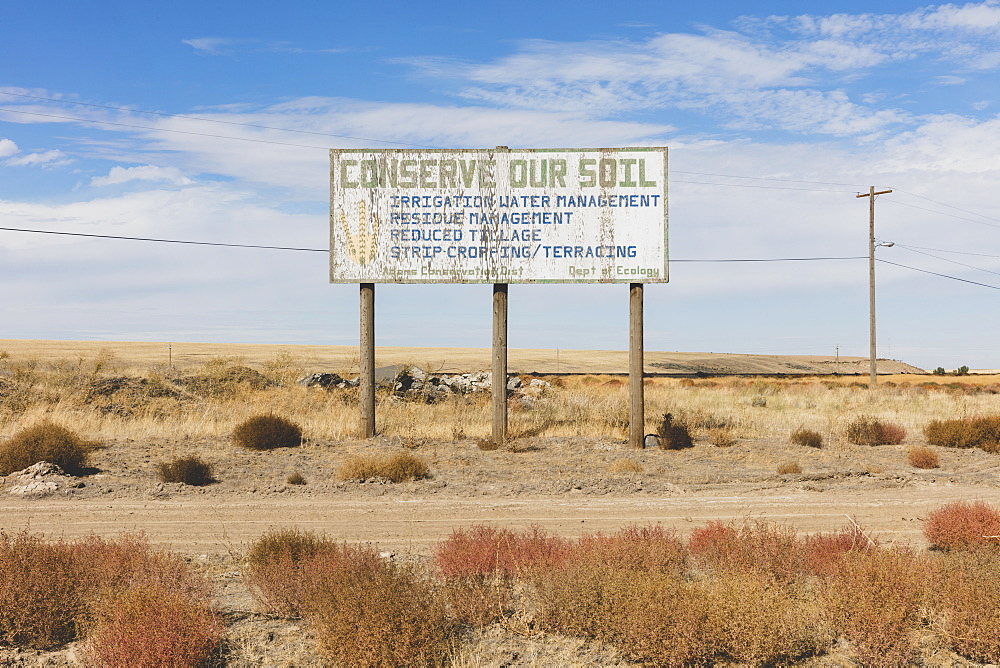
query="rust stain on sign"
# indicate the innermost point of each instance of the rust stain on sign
(498, 216)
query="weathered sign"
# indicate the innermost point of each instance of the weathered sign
(498, 216)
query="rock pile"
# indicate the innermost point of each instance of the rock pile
(413, 383)
(38, 480)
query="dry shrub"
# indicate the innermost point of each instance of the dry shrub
(722, 437)
(485, 550)
(649, 549)
(822, 551)
(367, 611)
(967, 598)
(190, 470)
(40, 597)
(267, 432)
(875, 599)
(979, 432)
(488, 444)
(807, 437)
(295, 478)
(922, 457)
(674, 434)
(45, 442)
(962, 525)
(151, 625)
(396, 467)
(759, 622)
(49, 589)
(757, 546)
(789, 467)
(276, 566)
(868, 430)
(669, 619)
(625, 466)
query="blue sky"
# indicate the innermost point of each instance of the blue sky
(209, 122)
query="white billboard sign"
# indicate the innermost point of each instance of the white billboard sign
(498, 216)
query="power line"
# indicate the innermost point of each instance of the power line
(326, 250)
(162, 241)
(942, 213)
(941, 250)
(944, 259)
(950, 206)
(934, 273)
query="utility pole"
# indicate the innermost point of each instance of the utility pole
(872, 381)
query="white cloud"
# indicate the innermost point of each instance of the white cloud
(211, 46)
(7, 148)
(47, 158)
(119, 175)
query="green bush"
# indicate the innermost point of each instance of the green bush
(45, 442)
(190, 470)
(266, 432)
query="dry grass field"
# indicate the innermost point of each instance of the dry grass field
(567, 471)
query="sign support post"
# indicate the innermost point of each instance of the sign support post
(499, 384)
(367, 357)
(637, 415)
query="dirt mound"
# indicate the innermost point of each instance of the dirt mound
(720, 364)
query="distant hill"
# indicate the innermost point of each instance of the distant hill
(344, 359)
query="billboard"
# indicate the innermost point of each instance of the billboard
(498, 215)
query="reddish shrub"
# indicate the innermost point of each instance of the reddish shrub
(485, 550)
(822, 551)
(755, 546)
(962, 525)
(650, 549)
(922, 457)
(151, 625)
(867, 430)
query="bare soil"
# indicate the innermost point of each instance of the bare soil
(561, 484)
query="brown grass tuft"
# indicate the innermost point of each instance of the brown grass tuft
(922, 457)
(625, 466)
(397, 467)
(295, 478)
(980, 432)
(267, 432)
(789, 467)
(45, 442)
(807, 437)
(190, 470)
(868, 430)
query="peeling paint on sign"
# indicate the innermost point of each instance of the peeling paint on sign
(498, 216)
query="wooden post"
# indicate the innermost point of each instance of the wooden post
(873, 369)
(637, 413)
(367, 378)
(499, 362)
